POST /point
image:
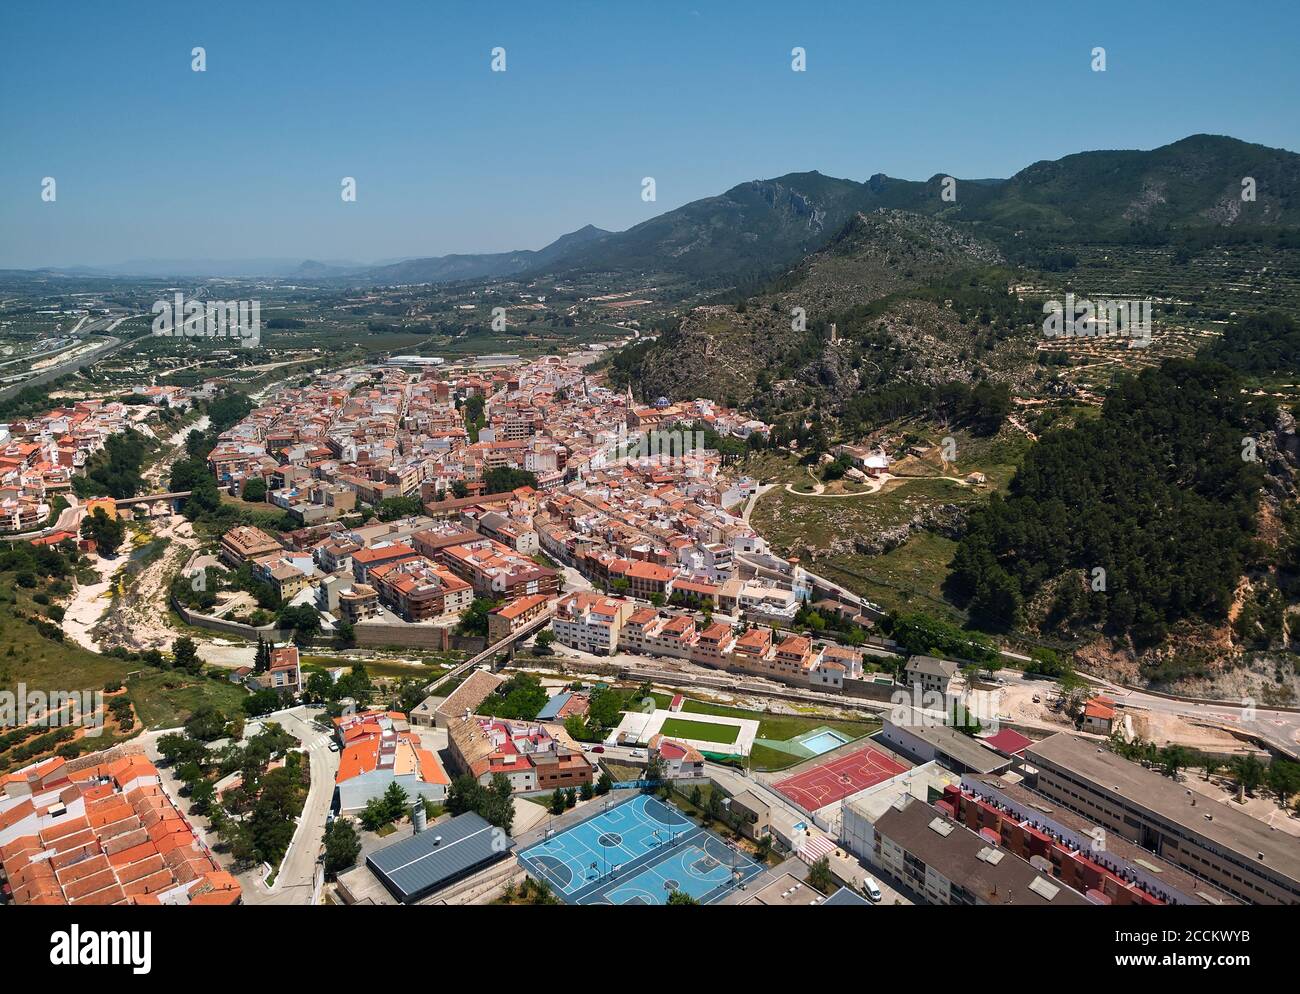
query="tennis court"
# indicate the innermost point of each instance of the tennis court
(836, 780)
(637, 853)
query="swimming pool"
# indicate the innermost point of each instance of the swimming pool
(824, 741)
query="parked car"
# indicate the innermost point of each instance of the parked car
(597, 748)
(334, 746)
(873, 890)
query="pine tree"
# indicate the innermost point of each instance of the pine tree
(262, 661)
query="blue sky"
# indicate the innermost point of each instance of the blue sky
(245, 160)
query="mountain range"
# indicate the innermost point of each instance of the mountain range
(760, 227)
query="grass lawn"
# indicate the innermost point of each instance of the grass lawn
(166, 698)
(393, 668)
(777, 726)
(621, 772)
(702, 731)
(768, 760)
(908, 578)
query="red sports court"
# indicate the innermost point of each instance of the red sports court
(836, 780)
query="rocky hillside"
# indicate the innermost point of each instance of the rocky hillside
(723, 350)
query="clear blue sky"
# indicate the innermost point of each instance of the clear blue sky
(153, 160)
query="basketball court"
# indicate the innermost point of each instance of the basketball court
(637, 853)
(836, 780)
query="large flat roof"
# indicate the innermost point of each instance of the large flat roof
(1168, 873)
(1142, 788)
(989, 872)
(442, 853)
(929, 727)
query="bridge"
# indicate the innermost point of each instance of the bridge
(153, 498)
(506, 644)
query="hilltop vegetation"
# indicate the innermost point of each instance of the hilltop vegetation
(1265, 344)
(1154, 494)
(738, 350)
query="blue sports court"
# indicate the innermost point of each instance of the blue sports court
(637, 853)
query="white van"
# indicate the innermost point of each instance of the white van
(872, 888)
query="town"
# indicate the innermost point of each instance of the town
(719, 455)
(594, 600)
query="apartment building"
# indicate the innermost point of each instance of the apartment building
(287, 573)
(946, 863)
(496, 570)
(646, 633)
(364, 560)
(713, 646)
(531, 756)
(1226, 847)
(382, 751)
(515, 615)
(359, 603)
(241, 544)
(591, 622)
(1106, 867)
(420, 590)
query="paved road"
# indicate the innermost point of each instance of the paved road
(294, 883)
(110, 346)
(69, 520)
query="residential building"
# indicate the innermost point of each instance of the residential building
(380, 752)
(532, 756)
(931, 675)
(1226, 847)
(591, 622)
(243, 543)
(946, 863)
(419, 590)
(515, 615)
(102, 833)
(681, 761)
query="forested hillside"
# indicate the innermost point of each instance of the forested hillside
(1155, 494)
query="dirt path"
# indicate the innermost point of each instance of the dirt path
(875, 485)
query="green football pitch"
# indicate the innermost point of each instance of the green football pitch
(701, 731)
